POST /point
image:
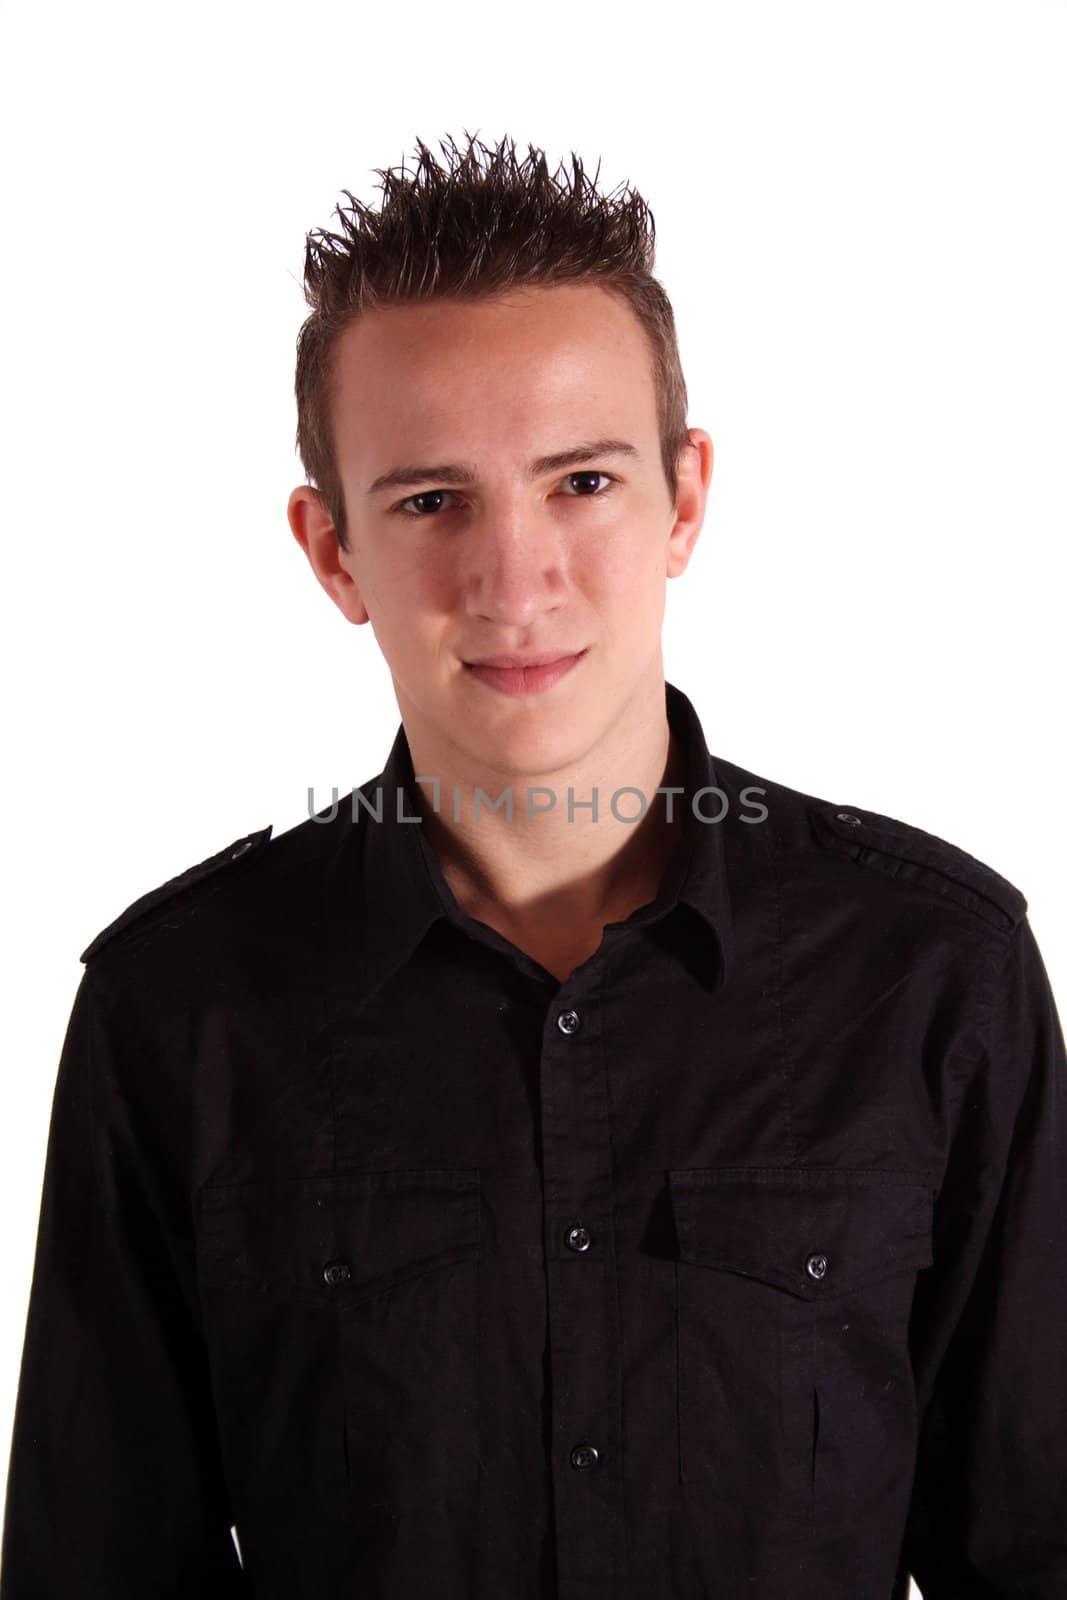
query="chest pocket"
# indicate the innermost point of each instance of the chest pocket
(794, 1293)
(342, 1322)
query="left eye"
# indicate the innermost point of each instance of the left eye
(585, 476)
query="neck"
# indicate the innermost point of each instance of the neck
(547, 871)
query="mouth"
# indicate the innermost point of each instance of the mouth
(512, 675)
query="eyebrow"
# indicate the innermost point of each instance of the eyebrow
(459, 473)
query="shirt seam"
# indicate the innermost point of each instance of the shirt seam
(778, 1001)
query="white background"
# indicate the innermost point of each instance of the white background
(861, 226)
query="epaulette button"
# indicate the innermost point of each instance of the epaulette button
(847, 816)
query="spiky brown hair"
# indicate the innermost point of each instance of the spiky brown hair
(472, 228)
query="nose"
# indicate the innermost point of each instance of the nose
(516, 567)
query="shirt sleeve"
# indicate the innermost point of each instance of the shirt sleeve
(989, 1506)
(115, 1487)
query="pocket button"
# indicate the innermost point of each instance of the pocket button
(817, 1266)
(336, 1272)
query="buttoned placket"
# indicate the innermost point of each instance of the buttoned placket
(584, 1335)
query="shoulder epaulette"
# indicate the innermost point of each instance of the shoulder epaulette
(243, 849)
(904, 851)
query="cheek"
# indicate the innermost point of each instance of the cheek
(632, 581)
(410, 592)
(406, 609)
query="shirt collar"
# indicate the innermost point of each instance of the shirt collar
(389, 876)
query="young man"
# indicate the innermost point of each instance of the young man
(572, 1165)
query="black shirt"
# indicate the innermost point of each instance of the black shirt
(732, 1266)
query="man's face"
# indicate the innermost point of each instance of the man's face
(570, 557)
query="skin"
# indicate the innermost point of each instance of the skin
(500, 562)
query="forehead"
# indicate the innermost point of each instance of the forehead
(515, 358)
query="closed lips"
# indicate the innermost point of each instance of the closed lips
(515, 662)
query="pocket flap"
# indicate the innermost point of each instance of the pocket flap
(342, 1236)
(817, 1232)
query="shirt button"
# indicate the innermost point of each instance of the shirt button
(568, 1022)
(579, 1238)
(817, 1266)
(584, 1456)
(850, 818)
(336, 1272)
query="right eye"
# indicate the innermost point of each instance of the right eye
(424, 494)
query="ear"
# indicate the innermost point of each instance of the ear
(695, 465)
(315, 533)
